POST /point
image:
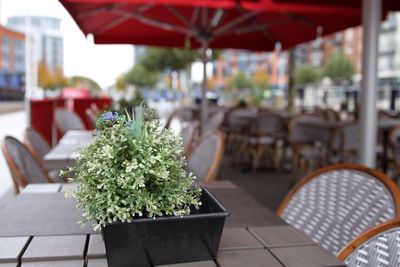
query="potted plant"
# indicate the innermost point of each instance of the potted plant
(132, 184)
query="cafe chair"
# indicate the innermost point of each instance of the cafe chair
(39, 147)
(188, 134)
(265, 130)
(25, 168)
(394, 151)
(91, 117)
(35, 142)
(335, 204)
(170, 117)
(214, 122)
(205, 158)
(67, 120)
(378, 246)
(303, 141)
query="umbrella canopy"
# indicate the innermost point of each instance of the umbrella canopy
(247, 24)
(393, 5)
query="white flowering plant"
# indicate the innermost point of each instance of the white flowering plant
(133, 168)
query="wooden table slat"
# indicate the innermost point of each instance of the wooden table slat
(96, 248)
(68, 263)
(280, 236)
(306, 256)
(52, 248)
(241, 258)
(238, 238)
(11, 248)
(41, 188)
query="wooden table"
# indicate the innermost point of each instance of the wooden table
(38, 228)
(63, 154)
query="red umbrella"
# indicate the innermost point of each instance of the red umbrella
(247, 24)
(386, 4)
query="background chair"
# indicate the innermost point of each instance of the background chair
(205, 159)
(394, 151)
(91, 117)
(335, 204)
(188, 134)
(24, 167)
(67, 120)
(214, 122)
(37, 145)
(379, 246)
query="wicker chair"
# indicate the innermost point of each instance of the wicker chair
(37, 145)
(394, 150)
(188, 134)
(24, 167)
(379, 246)
(303, 140)
(337, 203)
(91, 117)
(265, 132)
(205, 159)
(67, 120)
(214, 122)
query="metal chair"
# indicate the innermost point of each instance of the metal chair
(379, 246)
(67, 120)
(24, 167)
(205, 159)
(394, 149)
(188, 134)
(335, 204)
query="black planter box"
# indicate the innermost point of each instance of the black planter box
(166, 240)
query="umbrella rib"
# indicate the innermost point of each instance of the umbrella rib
(230, 25)
(155, 23)
(302, 20)
(95, 11)
(179, 15)
(114, 23)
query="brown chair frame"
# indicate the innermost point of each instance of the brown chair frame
(214, 167)
(189, 146)
(18, 178)
(367, 235)
(390, 185)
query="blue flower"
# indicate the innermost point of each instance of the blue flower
(109, 116)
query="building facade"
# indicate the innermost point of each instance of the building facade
(47, 39)
(12, 59)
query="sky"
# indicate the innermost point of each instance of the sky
(102, 63)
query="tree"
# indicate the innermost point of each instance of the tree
(339, 68)
(240, 81)
(306, 73)
(50, 80)
(81, 81)
(261, 80)
(141, 76)
(120, 82)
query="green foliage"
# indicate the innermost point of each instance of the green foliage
(240, 81)
(174, 59)
(306, 73)
(142, 76)
(133, 168)
(339, 68)
(81, 81)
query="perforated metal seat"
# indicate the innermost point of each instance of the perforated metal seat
(205, 159)
(379, 246)
(337, 203)
(24, 167)
(67, 120)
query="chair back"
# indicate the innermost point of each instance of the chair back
(268, 123)
(67, 120)
(335, 204)
(301, 134)
(91, 117)
(331, 115)
(25, 169)
(239, 118)
(37, 145)
(379, 246)
(214, 122)
(205, 159)
(188, 133)
(394, 144)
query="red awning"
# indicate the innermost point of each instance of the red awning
(247, 24)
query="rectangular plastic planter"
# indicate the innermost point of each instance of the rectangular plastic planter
(167, 240)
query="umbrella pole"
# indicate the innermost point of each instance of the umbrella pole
(204, 101)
